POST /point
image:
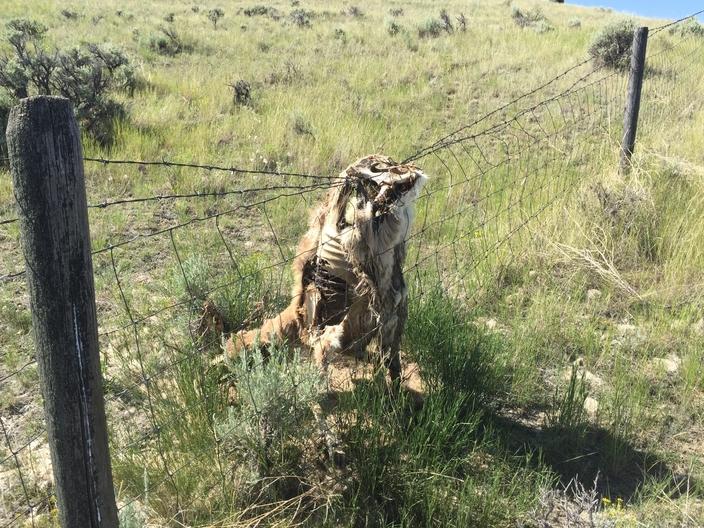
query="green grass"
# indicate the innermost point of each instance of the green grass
(549, 280)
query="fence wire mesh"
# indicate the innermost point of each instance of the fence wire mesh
(498, 190)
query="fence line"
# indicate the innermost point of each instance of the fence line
(497, 181)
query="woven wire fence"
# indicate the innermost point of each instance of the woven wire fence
(498, 189)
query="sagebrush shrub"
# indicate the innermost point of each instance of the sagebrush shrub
(611, 47)
(531, 19)
(431, 28)
(242, 93)
(258, 10)
(86, 75)
(462, 22)
(166, 42)
(446, 21)
(214, 15)
(355, 12)
(393, 28)
(340, 34)
(272, 416)
(70, 15)
(301, 17)
(687, 28)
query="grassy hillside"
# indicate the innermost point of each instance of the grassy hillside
(555, 313)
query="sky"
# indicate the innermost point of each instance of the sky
(673, 9)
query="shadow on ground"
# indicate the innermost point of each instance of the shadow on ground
(594, 458)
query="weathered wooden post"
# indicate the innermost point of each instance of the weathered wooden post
(635, 83)
(46, 163)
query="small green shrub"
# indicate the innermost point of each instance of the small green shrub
(611, 48)
(131, 517)
(85, 75)
(431, 28)
(393, 28)
(166, 42)
(272, 418)
(192, 278)
(242, 93)
(301, 125)
(340, 34)
(533, 19)
(690, 27)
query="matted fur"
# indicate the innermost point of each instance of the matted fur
(348, 286)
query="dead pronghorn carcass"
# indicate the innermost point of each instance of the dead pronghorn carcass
(348, 291)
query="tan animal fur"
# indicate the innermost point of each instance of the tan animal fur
(348, 286)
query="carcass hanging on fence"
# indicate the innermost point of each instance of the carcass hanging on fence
(349, 292)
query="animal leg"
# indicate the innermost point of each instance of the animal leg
(330, 341)
(283, 327)
(391, 342)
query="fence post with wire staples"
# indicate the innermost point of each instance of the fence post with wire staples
(46, 163)
(635, 83)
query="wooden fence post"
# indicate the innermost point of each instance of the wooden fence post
(46, 162)
(635, 83)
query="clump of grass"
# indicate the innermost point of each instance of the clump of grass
(288, 74)
(410, 41)
(624, 218)
(611, 47)
(623, 412)
(567, 414)
(453, 353)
